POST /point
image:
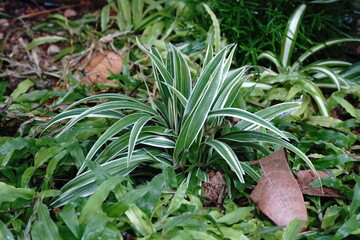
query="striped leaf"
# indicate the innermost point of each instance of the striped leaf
(291, 32)
(252, 136)
(319, 47)
(247, 116)
(269, 114)
(230, 157)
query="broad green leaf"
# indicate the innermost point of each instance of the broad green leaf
(47, 39)
(330, 216)
(45, 154)
(293, 229)
(177, 200)
(70, 218)
(348, 107)
(230, 157)
(323, 121)
(140, 221)
(351, 225)
(105, 17)
(250, 117)
(174, 221)
(237, 215)
(5, 233)
(95, 202)
(291, 32)
(44, 227)
(128, 200)
(9, 193)
(22, 88)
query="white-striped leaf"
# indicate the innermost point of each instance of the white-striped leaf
(230, 157)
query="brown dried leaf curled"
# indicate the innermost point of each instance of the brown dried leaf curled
(215, 190)
(305, 177)
(277, 194)
(97, 70)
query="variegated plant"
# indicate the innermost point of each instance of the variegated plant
(189, 124)
(307, 78)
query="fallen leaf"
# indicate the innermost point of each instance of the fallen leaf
(305, 177)
(215, 190)
(97, 70)
(277, 194)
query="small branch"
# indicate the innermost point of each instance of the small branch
(47, 11)
(16, 209)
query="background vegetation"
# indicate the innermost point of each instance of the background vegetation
(163, 143)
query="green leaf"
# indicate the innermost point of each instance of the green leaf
(330, 216)
(269, 113)
(47, 39)
(293, 229)
(348, 107)
(69, 216)
(355, 201)
(237, 215)
(323, 121)
(230, 157)
(216, 26)
(94, 204)
(9, 193)
(291, 32)
(174, 221)
(22, 88)
(5, 233)
(351, 225)
(43, 155)
(319, 47)
(134, 134)
(177, 200)
(127, 201)
(252, 136)
(44, 227)
(247, 116)
(105, 17)
(84, 184)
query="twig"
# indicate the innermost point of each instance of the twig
(16, 209)
(47, 11)
(7, 105)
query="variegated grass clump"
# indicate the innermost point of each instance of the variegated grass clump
(305, 79)
(189, 124)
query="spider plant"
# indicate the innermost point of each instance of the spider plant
(304, 78)
(189, 124)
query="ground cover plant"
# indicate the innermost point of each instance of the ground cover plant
(180, 141)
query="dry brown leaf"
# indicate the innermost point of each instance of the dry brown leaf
(215, 190)
(97, 70)
(277, 194)
(304, 177)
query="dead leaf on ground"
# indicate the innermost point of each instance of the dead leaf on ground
(97, 70)
(277, 194)
(305, 177)
(215, 190)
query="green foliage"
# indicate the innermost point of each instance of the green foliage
(298, 78)
(181, 127)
